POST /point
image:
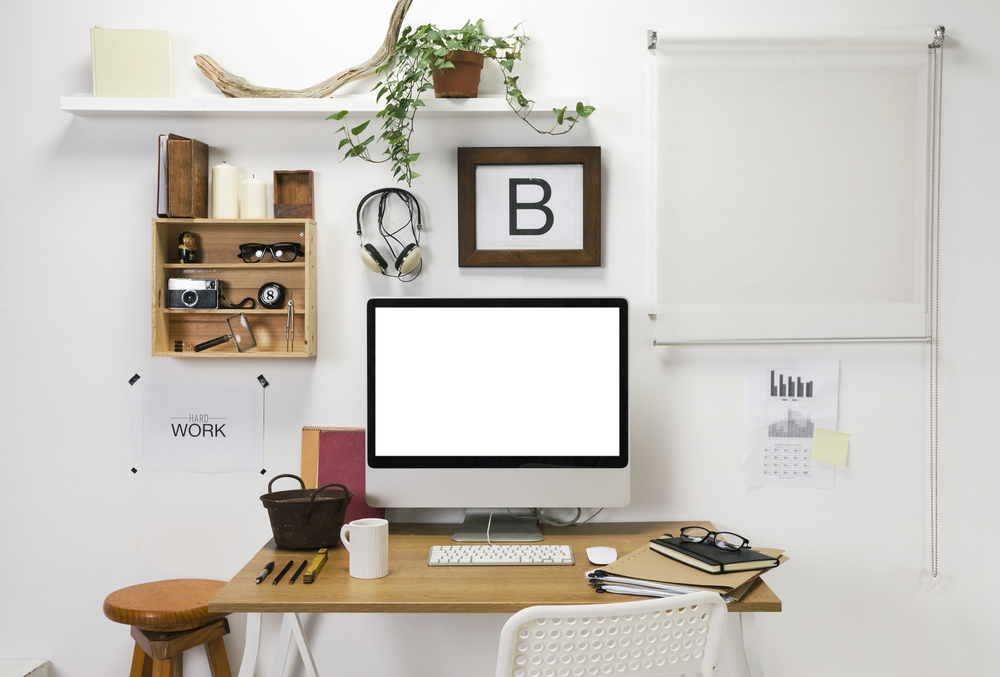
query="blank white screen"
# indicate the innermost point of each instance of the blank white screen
(497, 382)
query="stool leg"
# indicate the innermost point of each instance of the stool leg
(169, 667)
(142, 664)
(218, 661)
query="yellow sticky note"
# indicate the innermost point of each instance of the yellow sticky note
(830, 446)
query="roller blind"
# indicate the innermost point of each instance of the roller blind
(788, 190)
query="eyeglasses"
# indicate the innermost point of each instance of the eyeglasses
(284, 252)
(724, 539)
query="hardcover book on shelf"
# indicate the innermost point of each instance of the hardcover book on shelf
(711, 558)
(187, 178)
(132, 62)
(161, 174)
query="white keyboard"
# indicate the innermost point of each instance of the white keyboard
(500, 555)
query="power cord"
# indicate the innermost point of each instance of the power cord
(536, 514)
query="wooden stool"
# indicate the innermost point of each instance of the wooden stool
(167, 618)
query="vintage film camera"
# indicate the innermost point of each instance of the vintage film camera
(190, 293)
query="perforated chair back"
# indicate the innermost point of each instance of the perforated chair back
(662, 636)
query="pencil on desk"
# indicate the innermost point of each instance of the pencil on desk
(283, 572)
(298, 571)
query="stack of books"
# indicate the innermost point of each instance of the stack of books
(668, 566)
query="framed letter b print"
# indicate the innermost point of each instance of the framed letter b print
(529, 206)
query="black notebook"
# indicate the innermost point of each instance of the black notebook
(710, 557)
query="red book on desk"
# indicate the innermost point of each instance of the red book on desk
(338, 455)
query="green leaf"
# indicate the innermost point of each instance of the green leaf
(360, 128)
(560, 112)
(368, 140)
(343, 142)
(412, 157)
(338, 116)
(583, 111)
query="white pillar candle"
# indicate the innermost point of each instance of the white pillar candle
(253, 199)
(225, 192)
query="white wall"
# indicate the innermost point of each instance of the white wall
(77, 196)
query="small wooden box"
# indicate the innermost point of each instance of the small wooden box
(293, 194)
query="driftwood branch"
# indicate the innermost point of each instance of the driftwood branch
(235, 86)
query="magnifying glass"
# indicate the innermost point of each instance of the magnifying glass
(239, 331)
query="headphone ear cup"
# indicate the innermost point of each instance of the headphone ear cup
(372, 259)
(408, 259)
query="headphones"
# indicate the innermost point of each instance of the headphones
(408, 260)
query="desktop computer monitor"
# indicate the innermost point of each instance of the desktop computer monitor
(498, 404)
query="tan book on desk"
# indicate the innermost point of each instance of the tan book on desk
(649, 565)
(129, 62)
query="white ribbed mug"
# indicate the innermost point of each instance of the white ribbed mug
(368, 542)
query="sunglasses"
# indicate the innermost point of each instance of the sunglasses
(283, 252)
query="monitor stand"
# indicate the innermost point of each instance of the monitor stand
(504, 528)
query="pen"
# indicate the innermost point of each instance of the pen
(283, 572)
(263, 574)
(298, 571)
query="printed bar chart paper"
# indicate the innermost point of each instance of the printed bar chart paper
(784, 403)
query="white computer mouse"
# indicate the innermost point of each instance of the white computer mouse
(601, 555)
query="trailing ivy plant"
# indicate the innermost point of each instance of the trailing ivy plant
(407, 75)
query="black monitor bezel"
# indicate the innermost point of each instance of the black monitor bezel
(616, 461)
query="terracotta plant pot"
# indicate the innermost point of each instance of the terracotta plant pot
(462, 81)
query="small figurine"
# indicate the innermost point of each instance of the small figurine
(187, 250)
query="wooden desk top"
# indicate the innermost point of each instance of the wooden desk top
(413, 586)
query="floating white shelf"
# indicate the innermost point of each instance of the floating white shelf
(487, 106)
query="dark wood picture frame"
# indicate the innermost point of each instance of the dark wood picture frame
(470, 158)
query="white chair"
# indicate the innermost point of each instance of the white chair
(661, 636)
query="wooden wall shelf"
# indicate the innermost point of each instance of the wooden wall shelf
(218, 246)
(486, 106)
